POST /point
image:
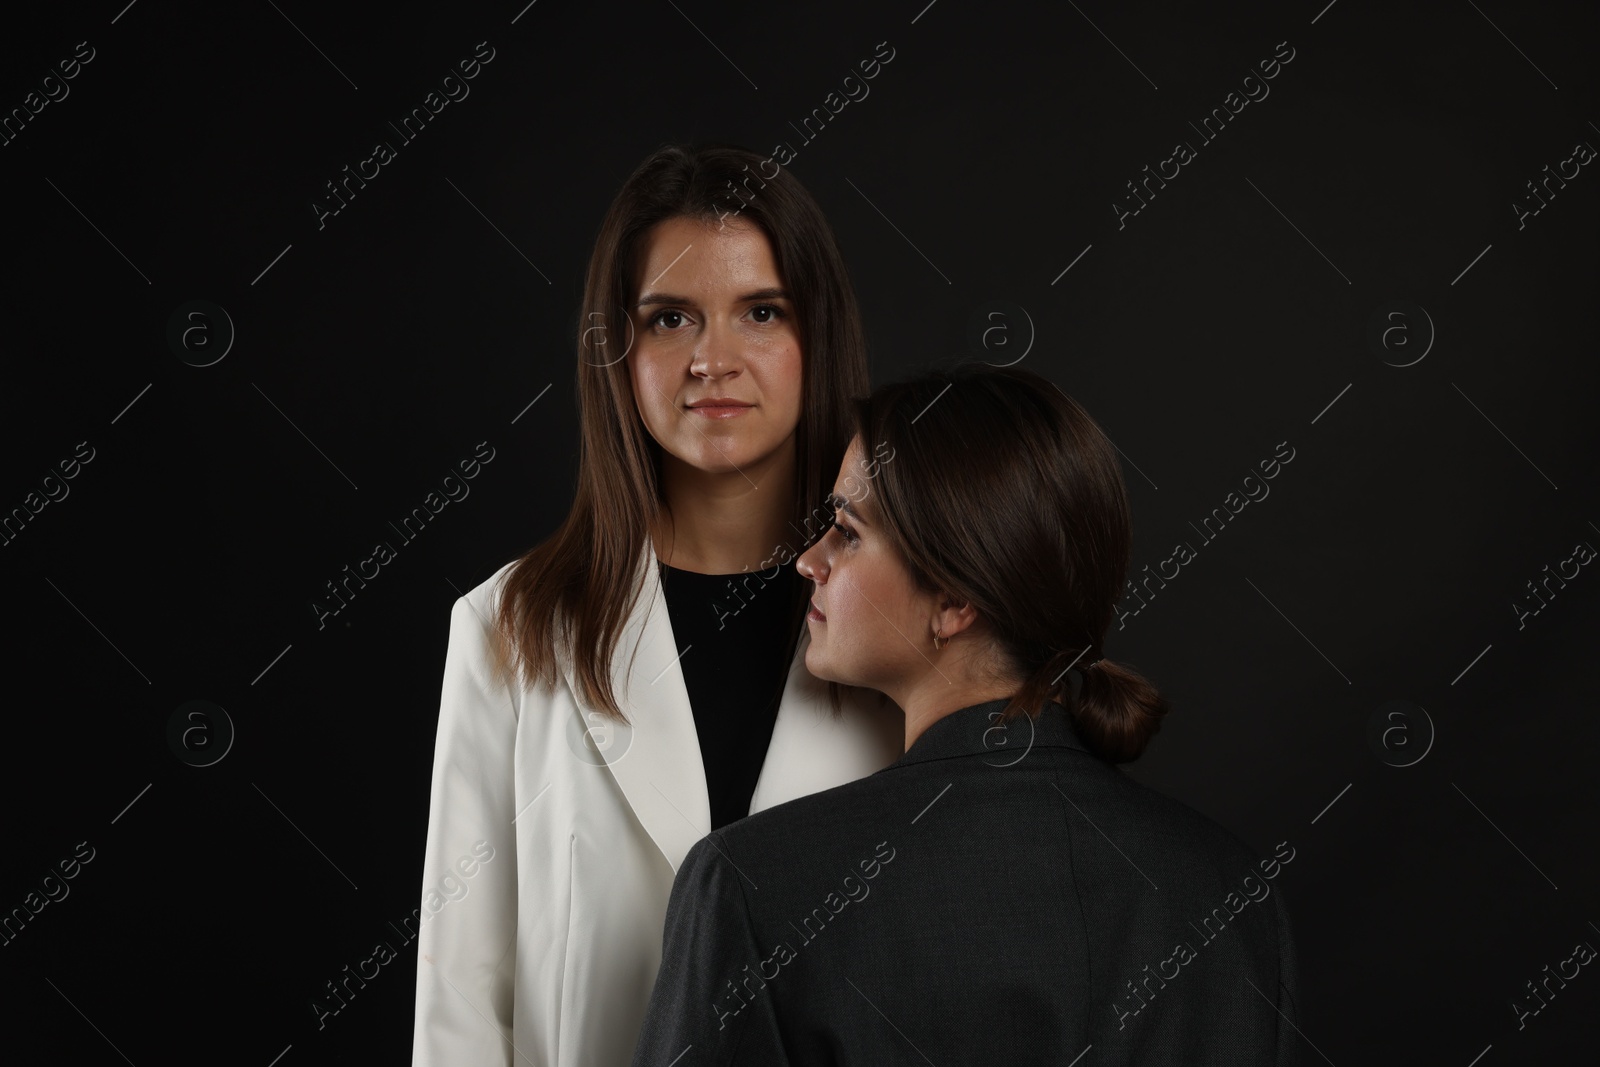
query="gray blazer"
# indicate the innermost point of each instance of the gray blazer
(996, 895)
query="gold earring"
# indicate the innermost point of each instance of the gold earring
(936, 645)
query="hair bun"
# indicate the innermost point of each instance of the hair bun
(1117, 711)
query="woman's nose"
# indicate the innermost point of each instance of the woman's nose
(717, 350)
(807, 563)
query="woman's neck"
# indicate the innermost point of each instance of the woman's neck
(727, 522)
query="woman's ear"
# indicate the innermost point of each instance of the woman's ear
(953, 617)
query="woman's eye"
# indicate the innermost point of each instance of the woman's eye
(764, 313)
(845, 532)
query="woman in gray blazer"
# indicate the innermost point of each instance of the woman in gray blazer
(1002, 893)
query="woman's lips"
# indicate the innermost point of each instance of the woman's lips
(815, 615)
(721, 412)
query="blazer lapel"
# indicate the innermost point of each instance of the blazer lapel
(811, 751)
(655, 756)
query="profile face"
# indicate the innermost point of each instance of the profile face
(711, 319)
(877, 627)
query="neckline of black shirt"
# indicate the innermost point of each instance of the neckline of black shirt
(731, 634)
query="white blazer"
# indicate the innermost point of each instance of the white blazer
(551, 855)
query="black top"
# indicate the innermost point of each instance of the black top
(997, 895)
(730, 630)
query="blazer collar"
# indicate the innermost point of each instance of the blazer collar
(977, 731)
(655, 756)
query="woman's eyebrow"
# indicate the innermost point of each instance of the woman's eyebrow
(772, 293)
(842, 503)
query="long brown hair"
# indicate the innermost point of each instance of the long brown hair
(571, 594)
(1006, 495)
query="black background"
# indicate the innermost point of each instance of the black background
(371, 355)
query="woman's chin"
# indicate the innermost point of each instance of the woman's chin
(818, 666)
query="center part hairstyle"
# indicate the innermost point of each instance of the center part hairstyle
(571, 595)
(1006, 495)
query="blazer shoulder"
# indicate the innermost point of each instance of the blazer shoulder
(484, 598)
(477, 638)
(1184, 825)
(814, 815)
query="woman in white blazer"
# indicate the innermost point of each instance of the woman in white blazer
(568, 786)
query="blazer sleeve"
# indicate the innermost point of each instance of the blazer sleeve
(700, 1014)
(465, 957)
(1289, 1038)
